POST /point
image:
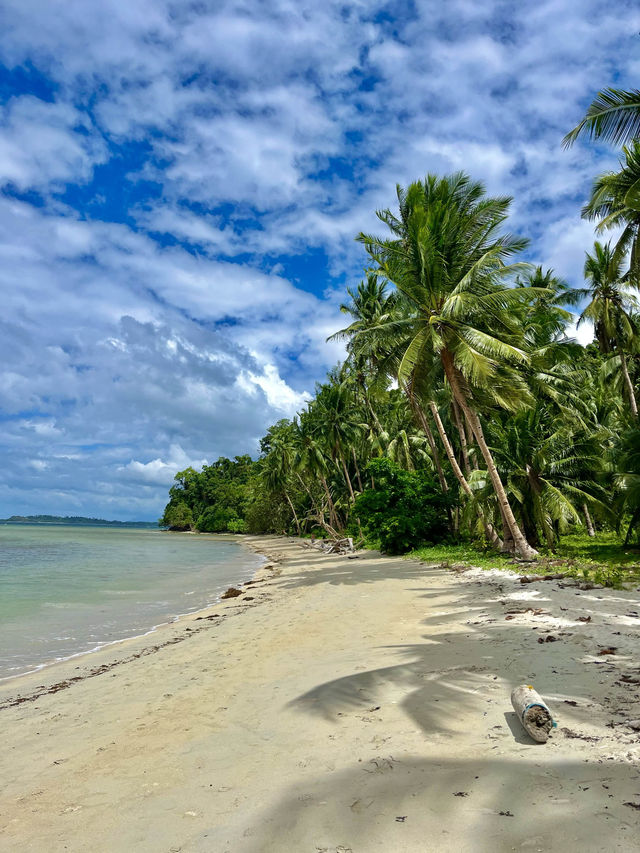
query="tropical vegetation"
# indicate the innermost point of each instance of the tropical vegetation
(464, 414)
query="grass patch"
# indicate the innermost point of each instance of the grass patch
(603, 559)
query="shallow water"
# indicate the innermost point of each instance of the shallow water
(68, 590)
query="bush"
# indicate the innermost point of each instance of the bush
(404, 510)
(177, 517)
(216, 519)
(237, 525)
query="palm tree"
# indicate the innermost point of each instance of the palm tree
(447, 258)
(611, 302)
(613, 116)
(615, 201)
(336, 424)
(551, 466)
(276, 470)
(311, 460)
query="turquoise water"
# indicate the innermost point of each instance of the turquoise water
(67, 590)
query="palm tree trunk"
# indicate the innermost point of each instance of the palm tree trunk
(355, 465)
(286, 494)
(308, 491)
(424, 423)
(522, 547)
(463, 437)
(536, 489)
(587, 518)
(469, 434)
(508, 545)
(333, 518)
(629, 385)
(490, 532)
(347, 478)
(432, 444)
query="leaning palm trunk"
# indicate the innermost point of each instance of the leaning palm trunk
(431, 441)
(295, 517)
(417, 410)
(463, 438)
(490, 532)
(355, 465)
(522, 547)
(333, 518)
(629, 385)
(587, 518)
(347, 478)
(508, 545)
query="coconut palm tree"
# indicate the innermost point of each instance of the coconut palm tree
(447, 258)
(615, 202)
(277, 469)
(550, 465)
(611, 302)
(613, 116)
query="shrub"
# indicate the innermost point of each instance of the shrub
(178, 517)
(404, 510)
(216, 519)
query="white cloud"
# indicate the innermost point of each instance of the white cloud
(159, 472)
(239, 136)
(40, 144)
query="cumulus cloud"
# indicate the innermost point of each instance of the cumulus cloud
(167, 170)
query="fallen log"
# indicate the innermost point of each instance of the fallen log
(532, 712)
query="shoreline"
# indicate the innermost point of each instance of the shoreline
(108, 644)
(350, 704)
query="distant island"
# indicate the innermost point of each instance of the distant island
(75, 520)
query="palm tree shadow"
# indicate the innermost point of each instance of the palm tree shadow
(447, 804)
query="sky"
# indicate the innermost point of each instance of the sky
(181, 184)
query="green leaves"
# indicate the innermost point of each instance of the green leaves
(613, 116)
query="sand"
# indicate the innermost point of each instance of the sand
(338, 705)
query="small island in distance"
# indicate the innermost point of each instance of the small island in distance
(75, 520)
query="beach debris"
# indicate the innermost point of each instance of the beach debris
(632, 805)
(569, 733)
(332, 546)
(534, 578)
(584, 618)
(534, 611)
(506, 814)
(611, 650)
(461, 794)
(532, 712)
(232, 592)
(550, 638)
(401, 818)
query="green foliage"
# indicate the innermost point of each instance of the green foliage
(464, 408)
(404, 509)
(177, 516)
(602, 560)
(215, 497)
(216, 519)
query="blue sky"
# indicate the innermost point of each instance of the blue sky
(180, 188)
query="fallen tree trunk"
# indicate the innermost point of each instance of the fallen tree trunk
(532, 712)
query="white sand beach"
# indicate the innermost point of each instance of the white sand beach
(338, 705)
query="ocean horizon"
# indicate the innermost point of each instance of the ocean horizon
(66, 590)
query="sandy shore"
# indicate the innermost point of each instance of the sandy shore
(338, 705)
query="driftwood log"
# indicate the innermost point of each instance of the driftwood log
(532, 712)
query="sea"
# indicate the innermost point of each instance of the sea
(67, 590)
